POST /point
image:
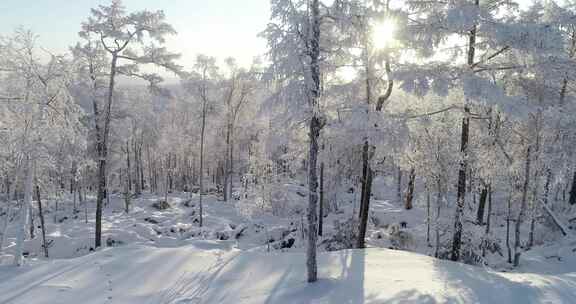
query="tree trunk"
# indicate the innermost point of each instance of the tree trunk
(508, 217)
(231, 164)
(321, 207)
(399, 185)
(73, 192)
(42, 226)
(150, 179)
(227, 163)
(439, 197)
(11, 194)
(547, 186)
(572, 198)
(103, 153)
(410, 189)
(533, 209)
(489, 216)
(461, 192)
(312, 268)
(522, 212)
(365, 195)
(316, 124)
(166, 181)
(31, 223)
(141, 166)
(129, 169)
(487, 231)
(428, 219)
(127, 195)
(85, 202)
(200, 192)
(24, 212)
(482, 205)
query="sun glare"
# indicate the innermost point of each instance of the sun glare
(383, 34)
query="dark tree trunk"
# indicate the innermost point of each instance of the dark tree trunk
(410, 189)
(572, 199)
(522, 212)
(439, 196)
(399, 185)
(129, 169)
(365, 196)
(547, 186)
(42, 226)
(142, 180)
(321, 207)
(201, 190)
(508, 218)
(461, 192)
(316, 125)
(482, 205)
(533, 210)
(489, 216)
(31, 216)
(428, 216)
(150, 179)
(226, 190)
(103, 154)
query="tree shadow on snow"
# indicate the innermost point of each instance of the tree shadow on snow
(413, 296)
(477, 285)
(347, 286)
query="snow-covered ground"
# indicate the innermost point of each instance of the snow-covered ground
(242, 255)
(212, 272)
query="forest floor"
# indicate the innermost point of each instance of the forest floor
(212, 272)
(241, 255)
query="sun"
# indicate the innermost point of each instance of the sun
(383, 34)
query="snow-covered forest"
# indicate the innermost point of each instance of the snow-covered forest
(379, 151)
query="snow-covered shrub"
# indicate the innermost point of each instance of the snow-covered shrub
(287, 199)
(492, 246)
(161, 205)
(284, 244)
(188, 203)
(110, 242)
(344, 237)
(469, 255)
(222, 235)
(400, 239)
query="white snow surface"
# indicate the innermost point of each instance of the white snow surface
(213, 272)
(162, 256)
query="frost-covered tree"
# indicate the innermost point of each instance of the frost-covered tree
(202, 84)
(294, 38)
(240, 85)
(484, 33)
(131, 38)
(46, 115)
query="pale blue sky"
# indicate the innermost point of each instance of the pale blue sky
(219, 28)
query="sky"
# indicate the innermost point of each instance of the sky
(219, 28)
